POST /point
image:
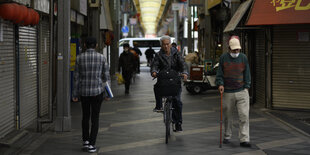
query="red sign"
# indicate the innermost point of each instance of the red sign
(271, 12)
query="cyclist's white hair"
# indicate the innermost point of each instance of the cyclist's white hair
(165, 37)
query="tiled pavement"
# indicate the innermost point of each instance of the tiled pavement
(129, 127)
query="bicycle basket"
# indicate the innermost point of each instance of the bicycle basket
(168, 84)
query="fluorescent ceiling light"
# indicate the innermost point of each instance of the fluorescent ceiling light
(149, 13)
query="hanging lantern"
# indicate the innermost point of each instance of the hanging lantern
(23, 12)
(33, 17)
(37, 18)
(28, 18)
(7, 11)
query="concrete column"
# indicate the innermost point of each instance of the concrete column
(189, 28)
(268, 38)
(208, 32)
(95, 25)
(176, 23)
(116, 28)
(63, 115)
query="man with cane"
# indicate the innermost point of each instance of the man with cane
(234, 80)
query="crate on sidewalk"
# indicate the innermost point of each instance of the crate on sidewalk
(196, 72)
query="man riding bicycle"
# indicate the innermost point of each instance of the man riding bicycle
(169, 59)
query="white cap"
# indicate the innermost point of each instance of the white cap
(234, 43)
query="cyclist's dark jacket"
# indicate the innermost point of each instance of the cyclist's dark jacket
(174, 60)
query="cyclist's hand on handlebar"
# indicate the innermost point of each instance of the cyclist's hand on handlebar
(154, 74)
(221, 89)
(184, 77)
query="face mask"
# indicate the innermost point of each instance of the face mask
(234, 55)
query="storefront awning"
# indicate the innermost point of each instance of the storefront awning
(272, 12)
(238, 16)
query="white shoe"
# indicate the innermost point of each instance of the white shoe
(92, 149)
(85, 144)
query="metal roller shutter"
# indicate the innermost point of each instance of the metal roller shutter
(290, 68)
(260, 82)
(7, 79)
(44, 67)
(28, 75)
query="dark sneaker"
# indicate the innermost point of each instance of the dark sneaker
(126, 91)
(226, 141)
(178, 127)
(245, 144)
(92, 149)
(158, 109)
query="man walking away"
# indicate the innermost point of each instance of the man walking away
(126, 64)
(138, 53)
(89, 76)
(233, 79)
(149, 53)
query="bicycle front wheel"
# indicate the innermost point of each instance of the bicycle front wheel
(167, 119)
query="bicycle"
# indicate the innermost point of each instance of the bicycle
(167, 113)
(167, 92)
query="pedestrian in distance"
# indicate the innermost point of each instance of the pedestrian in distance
(89, 77)
(127, 65)
(149, 53)
(174, 45)
(138, 54)
(234, 80)
(169, 58)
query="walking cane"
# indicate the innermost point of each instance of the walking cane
(221, 121)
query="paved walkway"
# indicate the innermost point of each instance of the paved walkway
(129, 127)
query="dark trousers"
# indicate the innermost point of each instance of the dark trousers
(91, 107)
(177, 106)
(138, 65)
(127, 77)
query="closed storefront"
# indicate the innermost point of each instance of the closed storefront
(44, 64)
(259, 79)
(291, 67)
(288, 49)
(7, 78)
(28, 69)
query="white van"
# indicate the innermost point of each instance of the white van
(143, 45)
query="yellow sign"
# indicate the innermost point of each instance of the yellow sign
(286, 4)
(72, 56)
(212, 3)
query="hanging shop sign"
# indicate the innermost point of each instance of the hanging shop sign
(24, 2)
(176, 6)
(105, 17)
(42, 5)
(79, 19)
(196, 2)
(272, 12)
(80, 6)
(213, 3)
(133, 21)
(72, 15)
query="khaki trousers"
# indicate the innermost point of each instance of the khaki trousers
(241, 101)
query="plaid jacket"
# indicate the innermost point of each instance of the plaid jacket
(90, 74)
